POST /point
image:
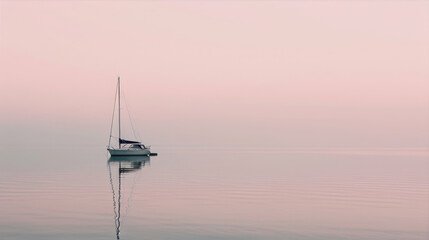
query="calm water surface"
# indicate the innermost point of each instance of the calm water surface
(215, 193)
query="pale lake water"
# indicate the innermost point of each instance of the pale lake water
(205, 192)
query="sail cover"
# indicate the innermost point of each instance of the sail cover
(123, 141)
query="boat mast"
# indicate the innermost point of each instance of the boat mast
(119, 109)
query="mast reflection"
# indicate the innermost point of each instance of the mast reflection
(122, 165)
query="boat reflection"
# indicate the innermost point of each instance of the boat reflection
(118, 167)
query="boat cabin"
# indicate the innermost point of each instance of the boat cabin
(135, 146)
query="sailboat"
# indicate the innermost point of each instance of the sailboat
(125, 147)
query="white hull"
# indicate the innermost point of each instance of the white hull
(129, 152)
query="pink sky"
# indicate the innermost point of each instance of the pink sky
(289, 73)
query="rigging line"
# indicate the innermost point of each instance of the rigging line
(129, 116)
(114, 198)
(113, 115)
